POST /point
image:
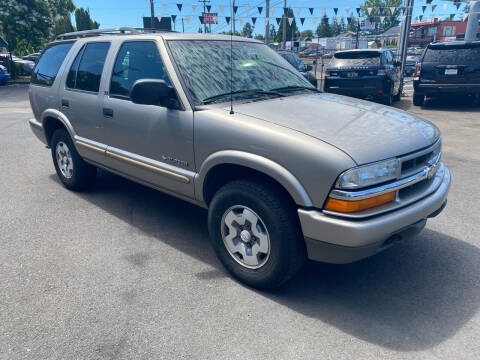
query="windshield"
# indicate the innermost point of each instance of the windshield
(452, 55)
(355, 58)
(205, 67)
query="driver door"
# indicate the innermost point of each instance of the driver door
(146, 142)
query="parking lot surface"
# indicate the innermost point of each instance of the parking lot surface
(124, 272)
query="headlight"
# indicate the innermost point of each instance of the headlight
(367, 175)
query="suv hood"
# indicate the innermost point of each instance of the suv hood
(366, 131)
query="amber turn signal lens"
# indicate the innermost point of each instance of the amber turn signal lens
(358, 205)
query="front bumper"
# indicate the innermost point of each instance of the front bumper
(37, 129)
(340, 240)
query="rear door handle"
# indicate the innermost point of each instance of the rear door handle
(65, 103)
(108, 112)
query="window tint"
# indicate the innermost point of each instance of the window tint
(72, 74)
(449, 55)
(91, 66)
(136, 60)
(47, 68)
(355, 58)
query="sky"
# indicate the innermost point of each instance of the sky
(114, 13)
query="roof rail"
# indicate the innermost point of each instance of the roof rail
(98, 32)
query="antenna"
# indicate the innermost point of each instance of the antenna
(231, 61)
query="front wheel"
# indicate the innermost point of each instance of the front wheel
(256, 234)
(71, 169)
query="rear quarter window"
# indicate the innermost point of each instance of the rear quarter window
(452, 55)
(47, 67)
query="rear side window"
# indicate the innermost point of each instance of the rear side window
(47, 67)
(356, 58)
(452, 55)
(87, 68)
(136, 60)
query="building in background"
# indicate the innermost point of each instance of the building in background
(425, 32)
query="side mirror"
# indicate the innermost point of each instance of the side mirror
(308, 67)
(154, 92)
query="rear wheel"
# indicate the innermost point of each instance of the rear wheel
(399, 94)
(71, 169)
(388, 100)
(255, 233)
(418, 99)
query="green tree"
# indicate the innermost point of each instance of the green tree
(84, 21)
(382, 8)
(352, 25)
(290, 28)
(306, 34)
(259, 37)
(247, 30)
(324, 29)
(338, 26)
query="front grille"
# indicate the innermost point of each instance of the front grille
(417, 162)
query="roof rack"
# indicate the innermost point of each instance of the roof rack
(98, 32)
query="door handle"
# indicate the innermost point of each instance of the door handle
(108, 112)
(65, 103)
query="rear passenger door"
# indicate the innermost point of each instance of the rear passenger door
(147, 142)
(81, 100)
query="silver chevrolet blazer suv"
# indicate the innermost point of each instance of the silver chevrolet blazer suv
(286, 172)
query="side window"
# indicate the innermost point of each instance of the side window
(47, 67)
(86, 70)
(136, 60)
(72, 74)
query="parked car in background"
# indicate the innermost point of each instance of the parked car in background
(32, 57)
(366, 73)
(410, 64)
(298, 64)
(448, 68)
(4, 75)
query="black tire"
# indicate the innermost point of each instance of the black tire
(82, 174)
(399, 94)
(287, 248)
(418, 99)
(388, 99)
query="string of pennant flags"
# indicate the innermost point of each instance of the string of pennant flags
(370, 13)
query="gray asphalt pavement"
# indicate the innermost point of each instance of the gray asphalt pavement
(124, 272)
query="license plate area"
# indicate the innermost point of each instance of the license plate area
(352, 74)
(451, 72)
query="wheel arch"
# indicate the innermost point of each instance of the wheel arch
(54, 119)
(224, 166)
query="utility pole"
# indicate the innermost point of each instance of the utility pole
(472, 24)
(404, 34)
(358, 30)
(204, 11)
(152, 15)
(267, 24)
(233, 17)
(284, 25)
(183, 26)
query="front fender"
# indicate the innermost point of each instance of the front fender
(255, 162)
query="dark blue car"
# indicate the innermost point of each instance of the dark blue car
(4, 75)
(372, 73)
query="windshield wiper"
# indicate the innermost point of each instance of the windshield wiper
(294, 87)
(214, 98)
